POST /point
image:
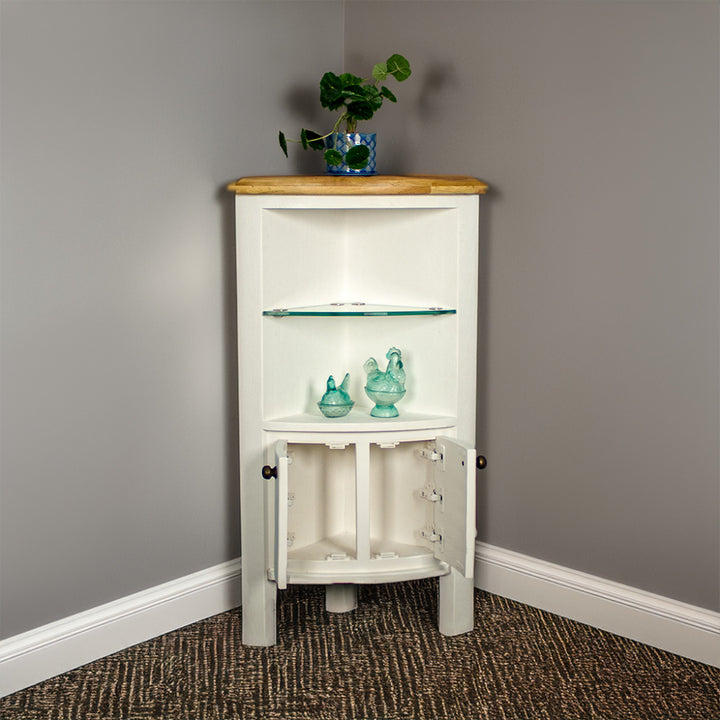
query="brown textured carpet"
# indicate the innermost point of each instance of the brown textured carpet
(384, 660)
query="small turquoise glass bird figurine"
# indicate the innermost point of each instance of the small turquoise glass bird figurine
(336, 402)
(385, 388)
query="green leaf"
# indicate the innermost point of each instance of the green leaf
(331, 88)
(333, 157)
(315, 141)
(355, 92)
(399, 67)
(385, 92)
(360, 110)
(373, 96)
(380, 71)
(283, 142)
(311, 140)
(357, 157)
(348, 79)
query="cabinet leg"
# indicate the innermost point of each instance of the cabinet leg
(341, 597)
(259, 600)
(455, 604)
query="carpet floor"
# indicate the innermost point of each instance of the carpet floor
(384, 660)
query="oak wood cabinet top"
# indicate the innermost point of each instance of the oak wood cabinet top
(356, 185)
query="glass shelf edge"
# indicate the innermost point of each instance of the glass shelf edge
(356, 310)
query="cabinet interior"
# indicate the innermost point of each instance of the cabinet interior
(404, 257)
(395, 256)
(398, 512)
(323, 501)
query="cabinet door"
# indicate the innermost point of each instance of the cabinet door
(281, 513)
(454, 515)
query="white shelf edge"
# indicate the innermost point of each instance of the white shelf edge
(372, 577)
(358, 421)
(365, 572)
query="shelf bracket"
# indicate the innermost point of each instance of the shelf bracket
(337, 445)
(385, 555)
(337, 556)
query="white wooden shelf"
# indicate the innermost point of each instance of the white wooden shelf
(342, 543)
(358, 421)
(389, 562)
(370, 572)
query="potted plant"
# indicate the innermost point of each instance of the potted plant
(348, 151)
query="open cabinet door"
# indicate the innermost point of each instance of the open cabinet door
(281, 513)
(454, 515)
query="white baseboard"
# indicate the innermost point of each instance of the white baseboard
(52, 649)
(651, 619)
(66, 644)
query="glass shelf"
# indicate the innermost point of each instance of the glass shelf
(356, 308)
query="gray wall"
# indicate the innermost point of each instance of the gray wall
(122, 122)
(596, 124)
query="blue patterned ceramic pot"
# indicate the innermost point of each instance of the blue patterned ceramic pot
(343, 142)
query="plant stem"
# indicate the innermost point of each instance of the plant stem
(327, 135)
(337, 124)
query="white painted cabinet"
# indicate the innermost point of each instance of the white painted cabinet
(332, 271)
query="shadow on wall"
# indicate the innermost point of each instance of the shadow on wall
(437, 80)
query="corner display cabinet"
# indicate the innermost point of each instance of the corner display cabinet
(333, 271)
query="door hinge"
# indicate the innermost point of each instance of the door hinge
(431, 495)
(431, 454)
(431, 535)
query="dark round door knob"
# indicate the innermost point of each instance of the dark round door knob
(481, 462)
(269, 472)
